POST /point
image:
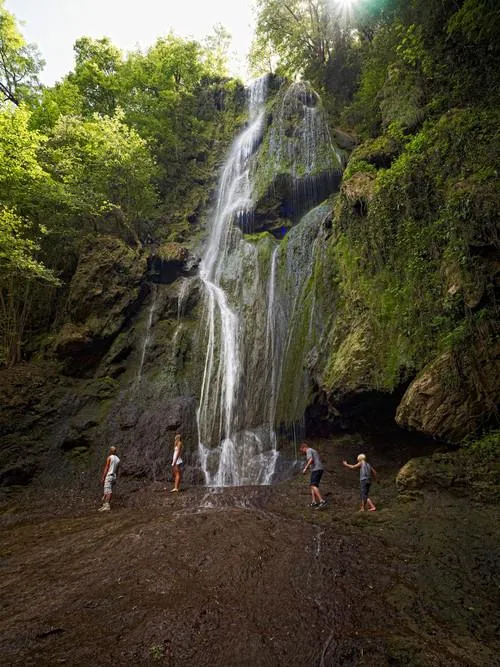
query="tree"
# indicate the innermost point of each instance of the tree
(62, 99)
(216, 51)
(300, 31)
(23, 182)
(309, 40)
(96, 75)
(106, 172)
(20, 62)
(160, 90)
(19, 270)
(24, 188)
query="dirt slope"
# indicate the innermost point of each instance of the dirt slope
(250, 577)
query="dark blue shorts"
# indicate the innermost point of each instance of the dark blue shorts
(365, 489)
(316, 476)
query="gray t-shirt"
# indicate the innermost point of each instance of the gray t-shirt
(365, 472)
(313, 454)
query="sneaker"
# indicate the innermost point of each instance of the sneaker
(313, 504)
(105, 508)
(321, 505)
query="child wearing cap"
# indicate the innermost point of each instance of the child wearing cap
(365, 478)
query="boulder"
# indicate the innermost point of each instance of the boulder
(451, 398)
(463, 471)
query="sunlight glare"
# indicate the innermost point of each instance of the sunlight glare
(344, 9)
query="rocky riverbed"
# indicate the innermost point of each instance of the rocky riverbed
(251, 576)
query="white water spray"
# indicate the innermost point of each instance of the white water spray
(147, 334)
(229, 453)
(247, 306)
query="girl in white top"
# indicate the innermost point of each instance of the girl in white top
(177, 462)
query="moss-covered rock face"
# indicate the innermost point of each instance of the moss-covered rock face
(220, 107)
(415, 253)
(297, 165)
(384, 294)
(104, 292)
(300, 327)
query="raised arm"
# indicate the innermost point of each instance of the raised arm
(352, 467)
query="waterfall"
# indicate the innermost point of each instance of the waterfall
(147, 334)
(181, 299)
(230, 454)
(247, 304)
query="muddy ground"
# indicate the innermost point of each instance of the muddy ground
(251, 576)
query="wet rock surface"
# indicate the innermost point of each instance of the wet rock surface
(451, 398)
(250, 576)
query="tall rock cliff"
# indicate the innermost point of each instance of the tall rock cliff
(355, 297)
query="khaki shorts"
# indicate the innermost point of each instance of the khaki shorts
(109, 482)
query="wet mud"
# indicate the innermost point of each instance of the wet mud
(250, 576)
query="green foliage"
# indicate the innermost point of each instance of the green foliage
(478, 21)
(96, 74)
(63, 99)
(17, 250)
(423, 57)
(356, 166)
(21, 176)
(306, 38)
(121, 146)
(106, 171)
(488, 445)
(19, 268)
(408, 268)
(20, 62)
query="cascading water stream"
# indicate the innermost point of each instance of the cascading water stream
(248, 307)
(229, 461)
(147, 335)
(271, 343)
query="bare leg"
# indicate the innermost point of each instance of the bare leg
(371, 506)
(106, 500)
(177, 478)
(316, 494)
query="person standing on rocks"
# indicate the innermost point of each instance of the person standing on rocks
(177, 463)
(109, 479)
(366, 471)
(314, 462)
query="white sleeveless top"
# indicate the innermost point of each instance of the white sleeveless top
(179, 460)
(113, 464)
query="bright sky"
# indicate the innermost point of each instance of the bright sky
(54, 25)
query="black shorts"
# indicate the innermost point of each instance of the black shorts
(365, 489)
(316, 476)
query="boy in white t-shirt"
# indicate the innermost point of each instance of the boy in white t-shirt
(109, 479)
